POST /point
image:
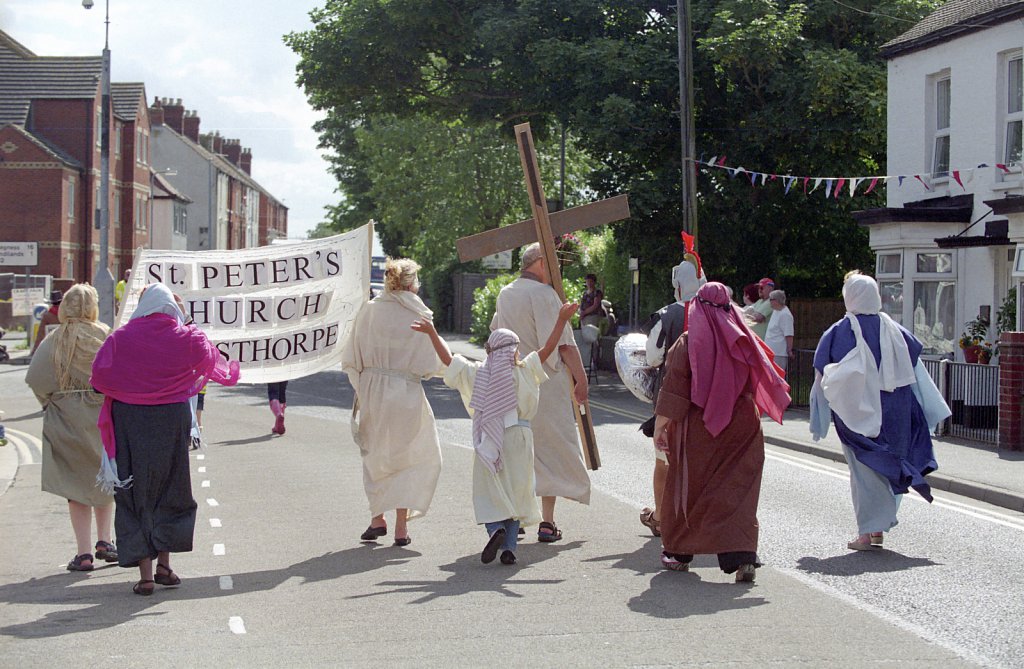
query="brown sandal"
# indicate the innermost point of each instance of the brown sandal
(647, 520)
(168, 577)
(140, 589)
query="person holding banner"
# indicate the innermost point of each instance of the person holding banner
(148, 369)
(392, 422)
(529, 307)
(501, 394)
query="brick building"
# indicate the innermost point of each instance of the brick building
(169, 187)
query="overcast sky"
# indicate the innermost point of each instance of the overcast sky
(223, 58)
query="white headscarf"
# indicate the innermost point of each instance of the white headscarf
(685, 282)
(494, 396)
(157, 299)
(853, 385)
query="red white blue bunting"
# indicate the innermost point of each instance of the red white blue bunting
(834, 186)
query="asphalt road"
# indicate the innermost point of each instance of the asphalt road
(278, 576)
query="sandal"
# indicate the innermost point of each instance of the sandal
(862, 543)
(552, 534)
(669, 562)
(76, 564)
(877, 538)
(106, 551)
(493, 543)
(373, 533)
(167, 577)
(647, 520)
(140, 589)
(403, 541)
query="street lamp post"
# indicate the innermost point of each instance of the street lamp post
(686, 128)
(103, 280)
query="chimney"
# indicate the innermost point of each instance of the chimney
(173, 114)
(245, 161)
(191, 125)
(156, 115)
(218, 143)
(233, 151)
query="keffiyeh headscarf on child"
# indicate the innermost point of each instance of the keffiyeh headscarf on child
(494, 396)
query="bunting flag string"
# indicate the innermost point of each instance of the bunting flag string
(834, 185)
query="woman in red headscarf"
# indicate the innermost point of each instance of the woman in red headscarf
(719, 377)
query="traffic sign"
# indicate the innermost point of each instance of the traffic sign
(23, 299)
(22, 254)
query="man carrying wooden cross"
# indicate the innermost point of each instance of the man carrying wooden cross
(529, 307)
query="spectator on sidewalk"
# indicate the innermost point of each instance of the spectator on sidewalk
(49, 320)
(760, 311)
(502, 395)
(386, 362)
(869, 380)
(529, 307)
(591, 316)
(779, 334)
(59, 377)
(148, 369)
(718, 379)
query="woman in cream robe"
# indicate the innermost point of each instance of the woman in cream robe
(59, 377)
(393, 424)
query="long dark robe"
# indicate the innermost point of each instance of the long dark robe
(156, 512)
(710, 499)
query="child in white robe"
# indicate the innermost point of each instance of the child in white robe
(502, 395)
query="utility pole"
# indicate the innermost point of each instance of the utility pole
(688, 148)
(103, 280)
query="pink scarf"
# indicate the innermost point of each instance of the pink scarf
(726, 356)
(494, 395)
(153, 359)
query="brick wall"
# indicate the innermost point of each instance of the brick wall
(1011, 391)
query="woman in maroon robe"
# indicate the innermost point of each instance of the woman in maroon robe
(719, 377)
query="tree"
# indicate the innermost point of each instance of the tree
(778, 88)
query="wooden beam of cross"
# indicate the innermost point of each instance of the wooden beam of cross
(542, 228)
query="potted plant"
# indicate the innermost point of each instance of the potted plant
(972, 338)
(984, 352)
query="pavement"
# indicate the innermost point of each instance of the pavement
(277, 576)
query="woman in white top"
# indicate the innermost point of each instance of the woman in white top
(779, 335)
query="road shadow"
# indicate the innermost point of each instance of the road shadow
(469, 575)
(28, 416)
(862, 562)
(644, 560)
(674, 594)
(104, 598)
(241, 442)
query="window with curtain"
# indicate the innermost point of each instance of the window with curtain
(1014, 109)
(935, 316)
(892, 299)
(940, 153)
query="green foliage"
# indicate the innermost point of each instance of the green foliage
(780, 86)
(485, 301)
(1006, 317)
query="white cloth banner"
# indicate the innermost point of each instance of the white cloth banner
(281, 311)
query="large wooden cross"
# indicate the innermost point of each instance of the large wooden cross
(545, 228)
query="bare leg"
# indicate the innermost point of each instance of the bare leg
(103, 516)
(378, 521)
(146, 568)
(547, 509)
(81, 523)
(163, 558)
(401, 518)
(660, 476)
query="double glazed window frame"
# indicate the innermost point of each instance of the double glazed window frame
(939, 123)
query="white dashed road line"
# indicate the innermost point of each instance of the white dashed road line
(212, 502)
(218, 549)
(226, 583)
(236, 625)
(205, 484)
(202, 470)
(215, 522)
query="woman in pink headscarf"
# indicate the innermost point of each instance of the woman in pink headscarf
(502, 395)
(719, 378)
(147, 371)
